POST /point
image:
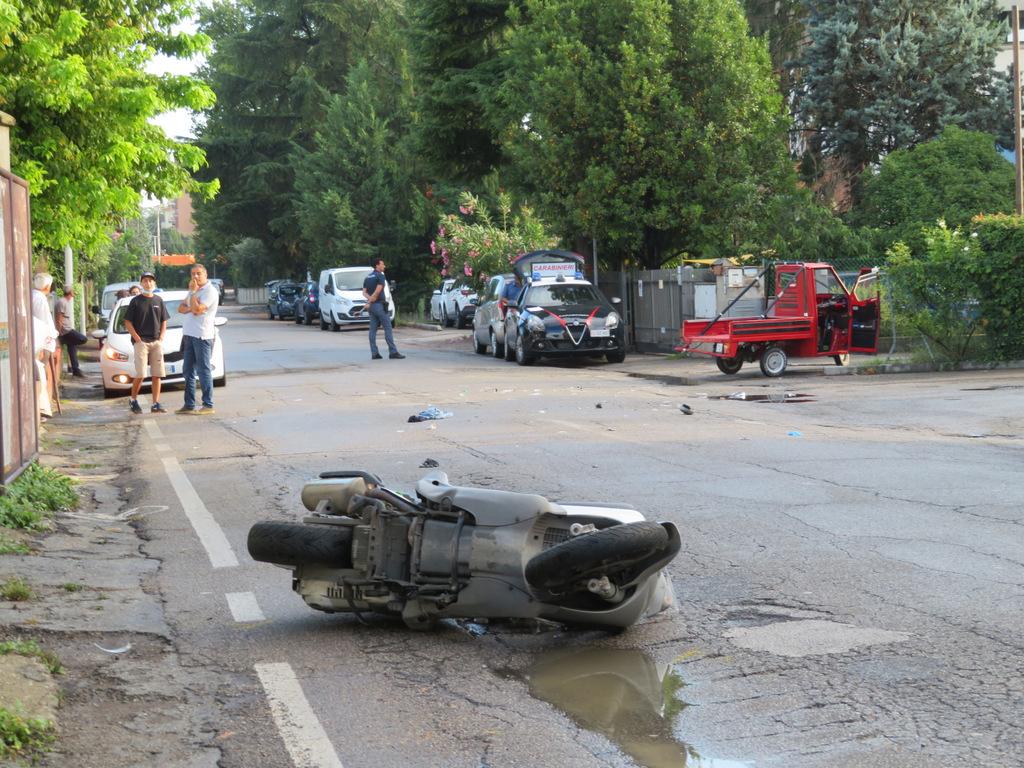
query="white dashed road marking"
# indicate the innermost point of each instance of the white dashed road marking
(210, 534)
(244, 607)
(303, 736)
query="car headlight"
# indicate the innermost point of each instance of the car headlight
(612, 321)
(534, 324)
(112, 354)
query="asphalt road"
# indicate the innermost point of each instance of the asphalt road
(851, 584)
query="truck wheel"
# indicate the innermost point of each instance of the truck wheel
(730, 366)
(773, 361)
(300, 544)
(602, 553)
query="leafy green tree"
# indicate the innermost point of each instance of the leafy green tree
(353, 189)
(782, 24)
(655, 126)
(457, 49)
(72, 73)
(883, 75)
(954, 178)
(274, 67)
(932, 290)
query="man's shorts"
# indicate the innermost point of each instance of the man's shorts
(151, 353)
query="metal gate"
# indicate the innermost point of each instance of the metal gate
(655, 302)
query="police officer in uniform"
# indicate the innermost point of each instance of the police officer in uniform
(377, 306)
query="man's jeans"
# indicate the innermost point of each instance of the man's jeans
(72, 339)
(197, 362)
(378, 317)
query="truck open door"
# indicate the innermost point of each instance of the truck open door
(865, 312)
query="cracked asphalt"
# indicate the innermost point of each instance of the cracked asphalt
(851, 584)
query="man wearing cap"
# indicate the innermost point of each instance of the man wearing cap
(146, 321)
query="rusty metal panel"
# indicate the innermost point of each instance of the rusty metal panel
(18, 432)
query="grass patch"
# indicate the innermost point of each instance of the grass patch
(15, 590)
(72, 587)
(23, 736)
(31, 648)
(9, 546)
(37, 493)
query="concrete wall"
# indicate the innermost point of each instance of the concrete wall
(251, 295)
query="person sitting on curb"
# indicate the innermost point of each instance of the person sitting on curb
(146, 321)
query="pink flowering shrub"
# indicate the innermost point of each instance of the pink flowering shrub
(483, 245)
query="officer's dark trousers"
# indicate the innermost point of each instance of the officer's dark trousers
(378, 318)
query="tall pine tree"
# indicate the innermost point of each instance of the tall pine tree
(882, 75)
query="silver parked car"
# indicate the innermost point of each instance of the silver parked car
(489, 319)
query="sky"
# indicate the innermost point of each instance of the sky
(179, 122)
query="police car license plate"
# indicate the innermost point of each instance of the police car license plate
(719, 347)
(601, 333)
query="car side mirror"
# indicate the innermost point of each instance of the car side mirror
(436, 292)
(328, 288)
(99, 333)
(616, 300)
(96, 309)
(218, 321)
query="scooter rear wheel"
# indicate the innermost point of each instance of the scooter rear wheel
(301, 544)
(602, 553)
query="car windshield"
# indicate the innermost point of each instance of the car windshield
(562, 295)
(172, 309)
(350, 281)
(288, 291)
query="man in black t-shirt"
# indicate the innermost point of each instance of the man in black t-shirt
(146, 321)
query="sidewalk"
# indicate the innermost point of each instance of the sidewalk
(125, 699)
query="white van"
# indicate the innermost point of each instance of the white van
(341, 297)
(108, 299)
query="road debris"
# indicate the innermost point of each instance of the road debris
(429, 464)
(430, 414)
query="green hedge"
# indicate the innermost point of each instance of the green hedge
(999, 283)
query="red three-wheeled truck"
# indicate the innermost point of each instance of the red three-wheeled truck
(812, 314)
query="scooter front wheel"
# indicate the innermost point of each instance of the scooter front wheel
(301, 544)
(607, 552)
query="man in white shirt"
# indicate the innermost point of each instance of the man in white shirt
(198, 332)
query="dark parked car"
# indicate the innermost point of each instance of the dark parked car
(307, 303)
(281, 299)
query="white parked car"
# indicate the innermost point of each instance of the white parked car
(453, 303)
(117, 358)
(341, 297)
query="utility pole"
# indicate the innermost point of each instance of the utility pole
(1018, 159)
(157, 258)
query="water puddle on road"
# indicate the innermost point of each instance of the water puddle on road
(771, 397)
(623, 695)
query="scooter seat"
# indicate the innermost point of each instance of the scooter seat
(488, 507)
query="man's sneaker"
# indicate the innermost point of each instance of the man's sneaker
(134, 405)
(157, 408)
(376, 356)
(396, 356)
(206, 410)
(185, 411)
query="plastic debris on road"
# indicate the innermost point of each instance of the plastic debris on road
(429, 464)
(686, 409)
(794, 433)
(430, 414)
(737, 396)
(122, 649)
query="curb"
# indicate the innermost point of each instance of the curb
(425, 326)
(889, 368)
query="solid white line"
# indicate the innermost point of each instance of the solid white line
(153, 429)
(303, 736)
(244, 607)
(210, 534)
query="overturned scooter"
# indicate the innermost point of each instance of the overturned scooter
(453, 552)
